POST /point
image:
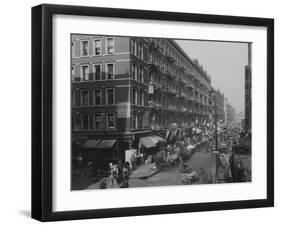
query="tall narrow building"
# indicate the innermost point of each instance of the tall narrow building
(248, 91)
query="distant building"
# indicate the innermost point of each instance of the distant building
(248, 91)
(231, 115)
(225, 109)
(241, 119)
(220, 105)
(243, 123)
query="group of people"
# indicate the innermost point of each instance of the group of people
(192, 135)
(118, 176)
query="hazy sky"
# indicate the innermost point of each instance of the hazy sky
(225, 62)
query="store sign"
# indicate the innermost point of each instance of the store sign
(123, 110)
(150, 89)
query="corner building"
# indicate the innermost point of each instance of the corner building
(126, 88)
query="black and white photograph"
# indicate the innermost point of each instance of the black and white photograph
(146, 112)
(156, 111)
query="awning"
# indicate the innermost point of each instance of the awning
(190, 147)
(157, 139)
(90, 144)
(106, 144)
(148, 142)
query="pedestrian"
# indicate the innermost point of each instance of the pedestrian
(133, 161)
(79, 165)
(112, 175)
(240, 172)
(127, 166)
(125, 182)
(126, 173)
(119, 172)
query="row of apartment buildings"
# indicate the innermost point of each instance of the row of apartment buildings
(124, 88)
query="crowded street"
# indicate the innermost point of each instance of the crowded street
(177, 162)
(171, 175)
(161, 118)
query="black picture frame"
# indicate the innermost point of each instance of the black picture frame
(42, 107)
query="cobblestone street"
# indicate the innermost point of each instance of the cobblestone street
(146, 113)
(170, 175)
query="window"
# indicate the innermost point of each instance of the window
(110, 120)
(133, 71)
(109, 70)
(110, 46)
(133, 46)
(97, 47)
(151, 77)
(76, 121)
(97, 97)
(98, 121)
(139, 74)
(142, 75)
(84, 48)
(110, 96)
(72, 73)
(85, 121)
(139, 51)
(84, 72)
(139, 121)
(136, 73)
(84, 98)
(141, 98)
(73, 97)
(73, 49)
(72, 122)
(97, 71)
(135, 97)
(134, 121)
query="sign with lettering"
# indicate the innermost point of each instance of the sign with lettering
(150, 89)
(123, 110)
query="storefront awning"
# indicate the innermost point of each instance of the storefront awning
(90, 144)
(148, 142)
(189, 147)
(157, 139)
(106, 144)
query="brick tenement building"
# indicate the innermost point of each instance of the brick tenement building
(124, 88)
(248, 91)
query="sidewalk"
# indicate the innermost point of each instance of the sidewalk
(144, 171)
